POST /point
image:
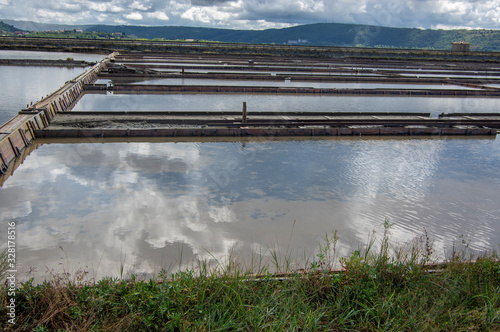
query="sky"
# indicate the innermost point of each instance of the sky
(259, 14)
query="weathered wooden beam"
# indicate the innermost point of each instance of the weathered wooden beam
(18, 132)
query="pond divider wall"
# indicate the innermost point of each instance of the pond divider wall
(19, 132)
(159, 89)
(261, 132)
(35, 121)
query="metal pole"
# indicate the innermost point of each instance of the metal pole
(244, 120)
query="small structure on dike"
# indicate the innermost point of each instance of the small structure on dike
(460, 46)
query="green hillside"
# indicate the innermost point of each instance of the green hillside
(7, 28)
(322, 34)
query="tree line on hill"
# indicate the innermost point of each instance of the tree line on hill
(6, 28)
(320, 34)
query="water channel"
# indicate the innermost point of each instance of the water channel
(285, 83)
(284, 103)
(21, 86)
(143, 206)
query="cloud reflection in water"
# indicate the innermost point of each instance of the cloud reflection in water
(144, 205)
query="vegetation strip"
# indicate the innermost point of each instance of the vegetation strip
(236, 49)
(325, 34)
(392, 288)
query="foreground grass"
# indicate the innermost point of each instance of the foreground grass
(386, 291)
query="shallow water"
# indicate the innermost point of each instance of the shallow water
(148, 206)
(145, 206)
(286, 83)
(21, 86)
(283, 103)
(7, 54)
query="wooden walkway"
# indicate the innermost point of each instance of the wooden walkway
(18, 133)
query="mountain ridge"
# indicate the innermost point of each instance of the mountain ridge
(317, 34)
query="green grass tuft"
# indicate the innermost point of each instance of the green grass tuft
(391, 288)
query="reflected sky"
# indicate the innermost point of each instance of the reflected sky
(284, 83)
(11, 54)
(20, 86)
(283, 103)
(148, 206)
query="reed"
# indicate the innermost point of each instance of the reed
(4, 264)
(381, 287)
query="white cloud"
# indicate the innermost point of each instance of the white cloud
(102, 18)
(158, 15)
(311, 6)
(67, 7)
(259, 14)
(453, 7)
(133, 16)
(139, 6)
(48, 16)
(451, 27)
(98, 7)
(196, 14)
(108, 7)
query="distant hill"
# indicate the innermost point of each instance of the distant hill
(35, 26)
(7, 27)
(323, 34)
(320, 34)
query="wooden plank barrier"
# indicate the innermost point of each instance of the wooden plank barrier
(259, 131)
(19, 132)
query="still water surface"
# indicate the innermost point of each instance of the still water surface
(7, 54)
(285, 83)
(153, 205)
(283, 103)
(148, 206)
(21, 86)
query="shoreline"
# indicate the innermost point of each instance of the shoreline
(107, 46)
(378, 289)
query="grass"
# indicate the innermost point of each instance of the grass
(4, 264)
(385, 289)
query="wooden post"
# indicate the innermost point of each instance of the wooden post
(244, 120)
